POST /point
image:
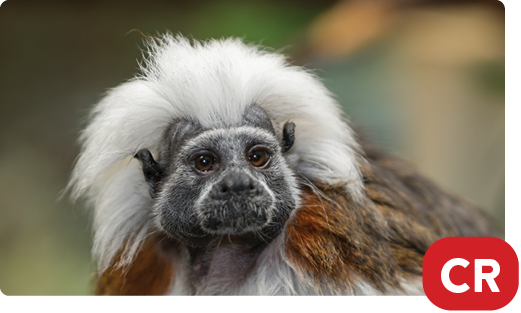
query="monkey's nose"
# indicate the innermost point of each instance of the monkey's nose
(236, 184)
(236, 203)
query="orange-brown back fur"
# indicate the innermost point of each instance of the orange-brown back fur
(383, 239)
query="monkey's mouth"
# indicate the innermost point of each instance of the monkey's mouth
(234, 216)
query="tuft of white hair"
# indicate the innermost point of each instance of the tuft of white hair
(212, 82)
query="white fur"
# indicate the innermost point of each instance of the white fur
(273, 274)
(212, 82)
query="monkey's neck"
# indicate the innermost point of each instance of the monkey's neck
(224, 266)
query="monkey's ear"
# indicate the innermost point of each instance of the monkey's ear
(153, 171)
(288, 136)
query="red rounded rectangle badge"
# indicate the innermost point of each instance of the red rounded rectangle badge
(470, 273)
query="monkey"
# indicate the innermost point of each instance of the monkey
(222, 169)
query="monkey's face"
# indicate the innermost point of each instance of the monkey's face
(222, 181)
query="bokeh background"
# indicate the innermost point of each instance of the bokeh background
(423, 78)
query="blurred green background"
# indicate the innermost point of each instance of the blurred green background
(423, 78)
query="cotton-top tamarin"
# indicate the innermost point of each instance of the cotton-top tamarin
(222, 169)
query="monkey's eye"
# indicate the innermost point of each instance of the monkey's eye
(204, 163)
(259, 157)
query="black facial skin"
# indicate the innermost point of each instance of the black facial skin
(288, 136)
(199, 207)
(152, 170)
(256, 116)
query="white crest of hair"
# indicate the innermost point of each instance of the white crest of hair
(212, 82)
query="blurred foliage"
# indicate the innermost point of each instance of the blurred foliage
(489, 77)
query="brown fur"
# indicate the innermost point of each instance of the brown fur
(338, 241)
(151, 273)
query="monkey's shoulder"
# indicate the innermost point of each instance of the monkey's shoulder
(382, 238)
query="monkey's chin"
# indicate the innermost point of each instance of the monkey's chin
(189, 234)
(190, 240)
(249, 228)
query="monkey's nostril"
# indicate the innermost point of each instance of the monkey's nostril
(252, 187)
(224, 189)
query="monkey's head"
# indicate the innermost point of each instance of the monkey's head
(201, 146)
(230, 181)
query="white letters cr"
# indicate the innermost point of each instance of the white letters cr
(479, 276)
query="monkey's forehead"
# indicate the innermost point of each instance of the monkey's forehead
(224, 137)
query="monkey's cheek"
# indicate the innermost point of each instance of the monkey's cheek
(187, 231)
